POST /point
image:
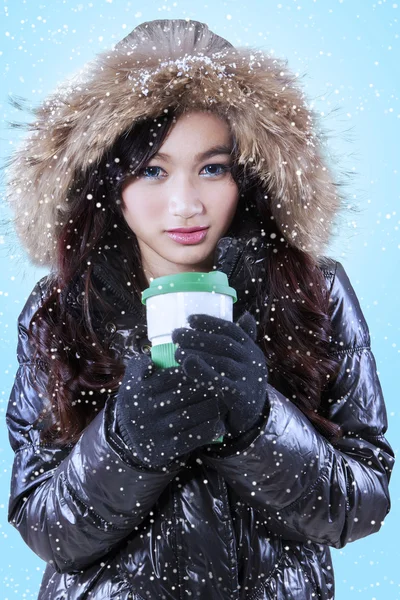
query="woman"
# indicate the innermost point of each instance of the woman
(116, 483)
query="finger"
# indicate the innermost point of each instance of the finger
(137, 370)
(198, 370)
(196, 415)
(180, 399)
(219, 345)
(165, 379)
(225, 389)
(200, 412)
(224, 366)
(203, 434)
(216, 325)
(213, 382)
(248, 323)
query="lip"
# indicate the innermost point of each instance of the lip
(188, 237)
(186, 229)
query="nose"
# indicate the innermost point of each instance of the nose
(184, 199)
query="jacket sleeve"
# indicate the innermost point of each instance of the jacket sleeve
(72, 505)
(305, 487)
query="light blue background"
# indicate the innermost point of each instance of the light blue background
(347, 56)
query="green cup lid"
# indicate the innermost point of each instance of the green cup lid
(215, 282)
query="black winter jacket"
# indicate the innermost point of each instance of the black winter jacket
(250, 520)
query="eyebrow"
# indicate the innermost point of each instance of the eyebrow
(213, 151)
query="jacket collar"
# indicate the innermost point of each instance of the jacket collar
(240, 258)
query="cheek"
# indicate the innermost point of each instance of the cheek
(139, 209)
(230, 194)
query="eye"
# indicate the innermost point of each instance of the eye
(150, 172)
(216, 169)
(212, 170)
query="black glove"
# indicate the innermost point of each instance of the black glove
(162, 414)
(225, 355)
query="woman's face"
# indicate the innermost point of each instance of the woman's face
(187, 184)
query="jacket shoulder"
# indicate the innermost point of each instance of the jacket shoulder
(350, 329)
(28, 396)
(36, 297)
(34, 301)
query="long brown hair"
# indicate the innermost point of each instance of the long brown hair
(294, 323)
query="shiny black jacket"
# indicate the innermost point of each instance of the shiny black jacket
(252, 520)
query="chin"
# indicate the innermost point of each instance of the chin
(192, 259)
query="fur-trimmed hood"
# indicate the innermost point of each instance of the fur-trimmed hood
(155, 69)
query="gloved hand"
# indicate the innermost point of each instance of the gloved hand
(162, 414)
(225, 355)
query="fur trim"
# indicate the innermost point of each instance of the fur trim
(148, 73)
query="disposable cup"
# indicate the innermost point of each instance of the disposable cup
(171, 299)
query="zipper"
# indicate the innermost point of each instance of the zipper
(239, 252)
(122, 297)
(230, 528)
(180, 561)
(348, 496)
